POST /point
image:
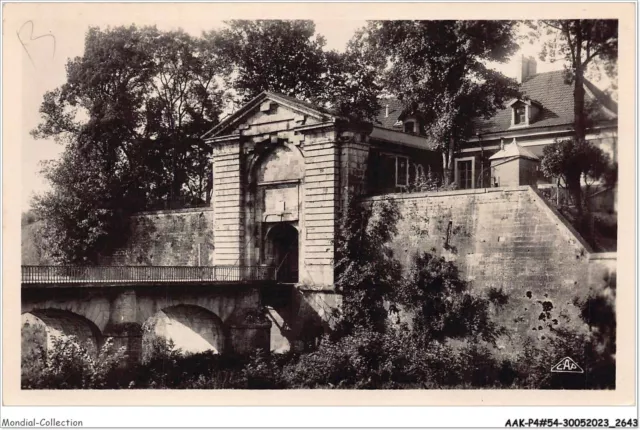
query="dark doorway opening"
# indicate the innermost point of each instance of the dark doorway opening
(282, 245)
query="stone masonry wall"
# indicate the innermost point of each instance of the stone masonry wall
(508, 240)
(168, 238)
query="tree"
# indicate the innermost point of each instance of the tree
(287, 57)
(351, 81)
(184, 101)
(79, 219)
(576, 162)
(130, 116)
(438, 69)
(283, 56)
(580, 42)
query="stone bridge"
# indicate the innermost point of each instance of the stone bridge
(198, 308)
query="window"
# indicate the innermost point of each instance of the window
(409, 127)
(395, 171)
(520, 115)
(465, 172)
(402, 171)
(420, 172)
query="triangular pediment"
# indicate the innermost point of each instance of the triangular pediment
(266, 108)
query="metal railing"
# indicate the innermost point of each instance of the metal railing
(144, 274)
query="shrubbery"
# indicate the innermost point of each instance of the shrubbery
(69, 364)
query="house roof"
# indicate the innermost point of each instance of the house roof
(389, 114)
(555, 97)
(548, 91)
(513, 150)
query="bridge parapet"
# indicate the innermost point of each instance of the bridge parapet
(136, 275)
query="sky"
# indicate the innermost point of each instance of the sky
(44, 69)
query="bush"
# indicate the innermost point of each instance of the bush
(264, 371)
(68, 364)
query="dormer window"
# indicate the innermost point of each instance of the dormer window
(520, 115)
(410, 126)
(523, 112)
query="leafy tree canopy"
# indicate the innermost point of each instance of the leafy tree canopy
(580, 43)
(273, 55)
(367, 271)
(288, 57)
(130, 115)
(439, 70)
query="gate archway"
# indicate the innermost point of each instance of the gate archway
(283, 251)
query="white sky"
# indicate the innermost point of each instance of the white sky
(46, 71)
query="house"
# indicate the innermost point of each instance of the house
(506, 147)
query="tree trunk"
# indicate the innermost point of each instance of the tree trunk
(578, 90)
(574, 186)
(447, 163)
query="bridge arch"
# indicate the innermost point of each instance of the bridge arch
(192, 329)
(41, 326)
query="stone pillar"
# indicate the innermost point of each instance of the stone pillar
(228, 229)
(123, 326)
(249, 329)
(320, 199)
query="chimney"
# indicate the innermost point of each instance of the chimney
(526, 68)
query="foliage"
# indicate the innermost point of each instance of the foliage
(165, 366)
(33, 248)
(428, 182)
(80, 220)
(438, 69)
(287, 57)
(130, 116)
(351, 81)
(576, 162)
(441, 304)
(579, 42)
(69, 364)
(283, 56)
(366, 271)
(27, 218)
(397, 360)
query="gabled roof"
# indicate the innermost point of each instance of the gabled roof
(548, 91)
(513, 150)
(295, 104)
(555, 98)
